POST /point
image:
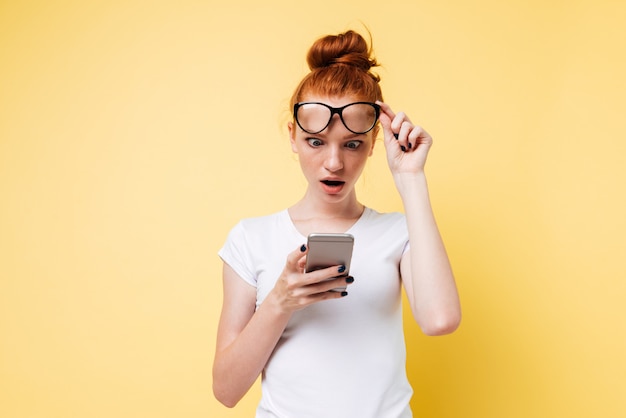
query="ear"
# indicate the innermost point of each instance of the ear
(292, 136)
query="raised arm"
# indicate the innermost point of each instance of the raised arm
(426, 272)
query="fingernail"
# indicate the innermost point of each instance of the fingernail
(410, 145)
(303, 248)
(403, 148)
(349, 279)
(395, 135)
(341, 269)
(344, 293)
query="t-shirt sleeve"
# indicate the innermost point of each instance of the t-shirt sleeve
(236, 254)
(407, 247)
(403, 232)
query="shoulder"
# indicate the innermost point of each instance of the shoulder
(261, 226)
(383, 234)
(385, 218)
(262, 223)
(381, 224)
(248, 236)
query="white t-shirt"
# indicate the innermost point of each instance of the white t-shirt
(339, 358)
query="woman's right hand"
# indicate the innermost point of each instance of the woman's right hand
(247, 336)
(296, 289)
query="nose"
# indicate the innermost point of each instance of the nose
(334, 159)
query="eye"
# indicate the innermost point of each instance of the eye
(353, 144)
(314, 142)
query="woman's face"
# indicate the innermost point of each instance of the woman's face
(333, 159)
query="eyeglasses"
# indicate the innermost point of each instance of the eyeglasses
(357, 117)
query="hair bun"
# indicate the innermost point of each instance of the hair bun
(348, 48)
(341, 66)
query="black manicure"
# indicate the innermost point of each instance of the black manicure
(395, 135)
(410, 145)
(303, 248)
(349, 279)
(341, 269)
(403, 148)
(344, 293)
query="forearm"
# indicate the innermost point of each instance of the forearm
(238, 365)
(431, 289)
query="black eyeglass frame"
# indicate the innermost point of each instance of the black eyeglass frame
(333, 111)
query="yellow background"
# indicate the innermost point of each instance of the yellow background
(134, 134)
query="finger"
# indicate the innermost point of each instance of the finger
(419, 136)
(297, 258)
(323, 275)
(327, 295)
(400, 120)
(404, 132)
(397, 126)
(385, 118)
(335, 285)
(386, 109)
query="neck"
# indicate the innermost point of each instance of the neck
(310, 207)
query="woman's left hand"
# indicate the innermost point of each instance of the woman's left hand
(407, 145)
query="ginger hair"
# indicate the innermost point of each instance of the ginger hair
(340, 65)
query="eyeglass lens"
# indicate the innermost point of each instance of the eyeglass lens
(357, 117)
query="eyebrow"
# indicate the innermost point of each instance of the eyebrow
(353, 136)
(348, 137)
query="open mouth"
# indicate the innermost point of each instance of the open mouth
(333, 183)
(333, 186)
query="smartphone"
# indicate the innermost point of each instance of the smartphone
(327, 250)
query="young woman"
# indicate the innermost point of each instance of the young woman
(324, 353)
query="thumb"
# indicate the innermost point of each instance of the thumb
(296, 259)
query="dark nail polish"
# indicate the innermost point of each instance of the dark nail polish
(303, 248)
(344, 293)
(349, 279)
(410, 145)
(403, 148)
(395, 135)
(341, 269)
